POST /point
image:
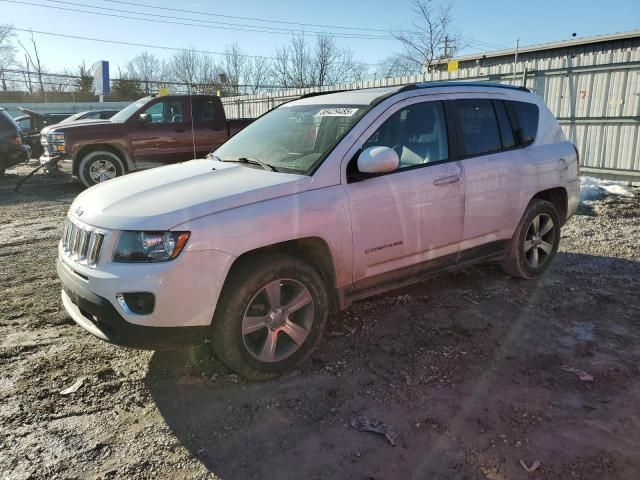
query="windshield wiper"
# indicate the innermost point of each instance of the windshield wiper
(252, 161)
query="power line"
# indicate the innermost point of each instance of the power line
(145, 45)
(255, 19)
(266, 29)
(192, 23)
(133, 44)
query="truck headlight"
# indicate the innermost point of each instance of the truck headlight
(56, 143)
(149, 246)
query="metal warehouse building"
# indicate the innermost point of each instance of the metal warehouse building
(592, 85)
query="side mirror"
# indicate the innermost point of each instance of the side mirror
(378, 160)
(145, 118)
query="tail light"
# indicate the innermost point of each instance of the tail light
(15, 139)
(577, 157)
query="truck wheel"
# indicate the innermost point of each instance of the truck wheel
(99, 166)
(271, 314)
(535, 241)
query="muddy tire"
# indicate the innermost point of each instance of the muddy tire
(3, 167)
(271, 315)
(99, 166)
(535, 241)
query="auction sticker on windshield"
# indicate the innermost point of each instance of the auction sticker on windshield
(336, 112)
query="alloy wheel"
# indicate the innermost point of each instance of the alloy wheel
(277, 320)
(102, 170)
(539, 240)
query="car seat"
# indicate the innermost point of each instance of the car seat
(418, 148)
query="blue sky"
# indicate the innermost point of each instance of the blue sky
(496, 23)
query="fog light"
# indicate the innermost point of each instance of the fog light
(138, 303)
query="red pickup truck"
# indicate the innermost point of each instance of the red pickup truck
(150, 132)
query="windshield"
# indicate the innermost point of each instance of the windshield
(73, 117)
(293, 138)
(124, 114)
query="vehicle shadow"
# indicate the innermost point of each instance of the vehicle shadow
(38, 187)
(297, 426)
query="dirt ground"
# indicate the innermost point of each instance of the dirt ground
(472, 370)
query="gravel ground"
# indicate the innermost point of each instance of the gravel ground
(477, 374)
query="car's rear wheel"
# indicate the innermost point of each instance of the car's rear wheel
(99, 166)
(270, 316)
(535, 241)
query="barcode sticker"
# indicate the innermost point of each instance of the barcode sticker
(336, 112)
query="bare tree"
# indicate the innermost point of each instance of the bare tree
(195, 69)
(7, 52)
(432, 38)
(235, 65)
(298, 65)
(145, 67)
(258, 74)
(35, 64)
(64, 82)
(397, 66)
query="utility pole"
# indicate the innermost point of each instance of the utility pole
(515, 61)
(446, 46)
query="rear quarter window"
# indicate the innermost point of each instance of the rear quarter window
(526, 121)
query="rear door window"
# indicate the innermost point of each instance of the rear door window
(478, 126)
(526, 119)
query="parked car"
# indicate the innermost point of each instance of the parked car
(90, 115)
(321, 202)
(31, 123)
(12, 151)
(148, 133)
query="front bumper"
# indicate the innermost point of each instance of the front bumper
(57, 163)
(100, 317)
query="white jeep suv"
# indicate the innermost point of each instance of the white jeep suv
(324, 200)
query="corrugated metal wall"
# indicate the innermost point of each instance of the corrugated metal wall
(593, 90)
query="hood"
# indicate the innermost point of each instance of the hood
(161, 198)
(65, 125)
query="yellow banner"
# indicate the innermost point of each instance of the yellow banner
(452, 65)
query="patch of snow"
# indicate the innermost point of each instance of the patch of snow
(594, 189)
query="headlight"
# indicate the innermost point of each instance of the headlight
(56, 143)
(149, 246)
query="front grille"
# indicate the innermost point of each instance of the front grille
(83, 244)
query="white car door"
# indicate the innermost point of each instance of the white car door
(409, 220)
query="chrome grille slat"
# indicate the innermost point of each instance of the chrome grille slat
(82, 244)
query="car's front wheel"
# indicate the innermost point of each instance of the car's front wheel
(535, 241)
(271, 314)
(99, 166)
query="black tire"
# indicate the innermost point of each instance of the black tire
(3, 166)
(522, 264)
(245, 284)
(93, 159)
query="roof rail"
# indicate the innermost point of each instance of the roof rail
(317, 94)
(462, 84)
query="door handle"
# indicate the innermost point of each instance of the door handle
(447, 180)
